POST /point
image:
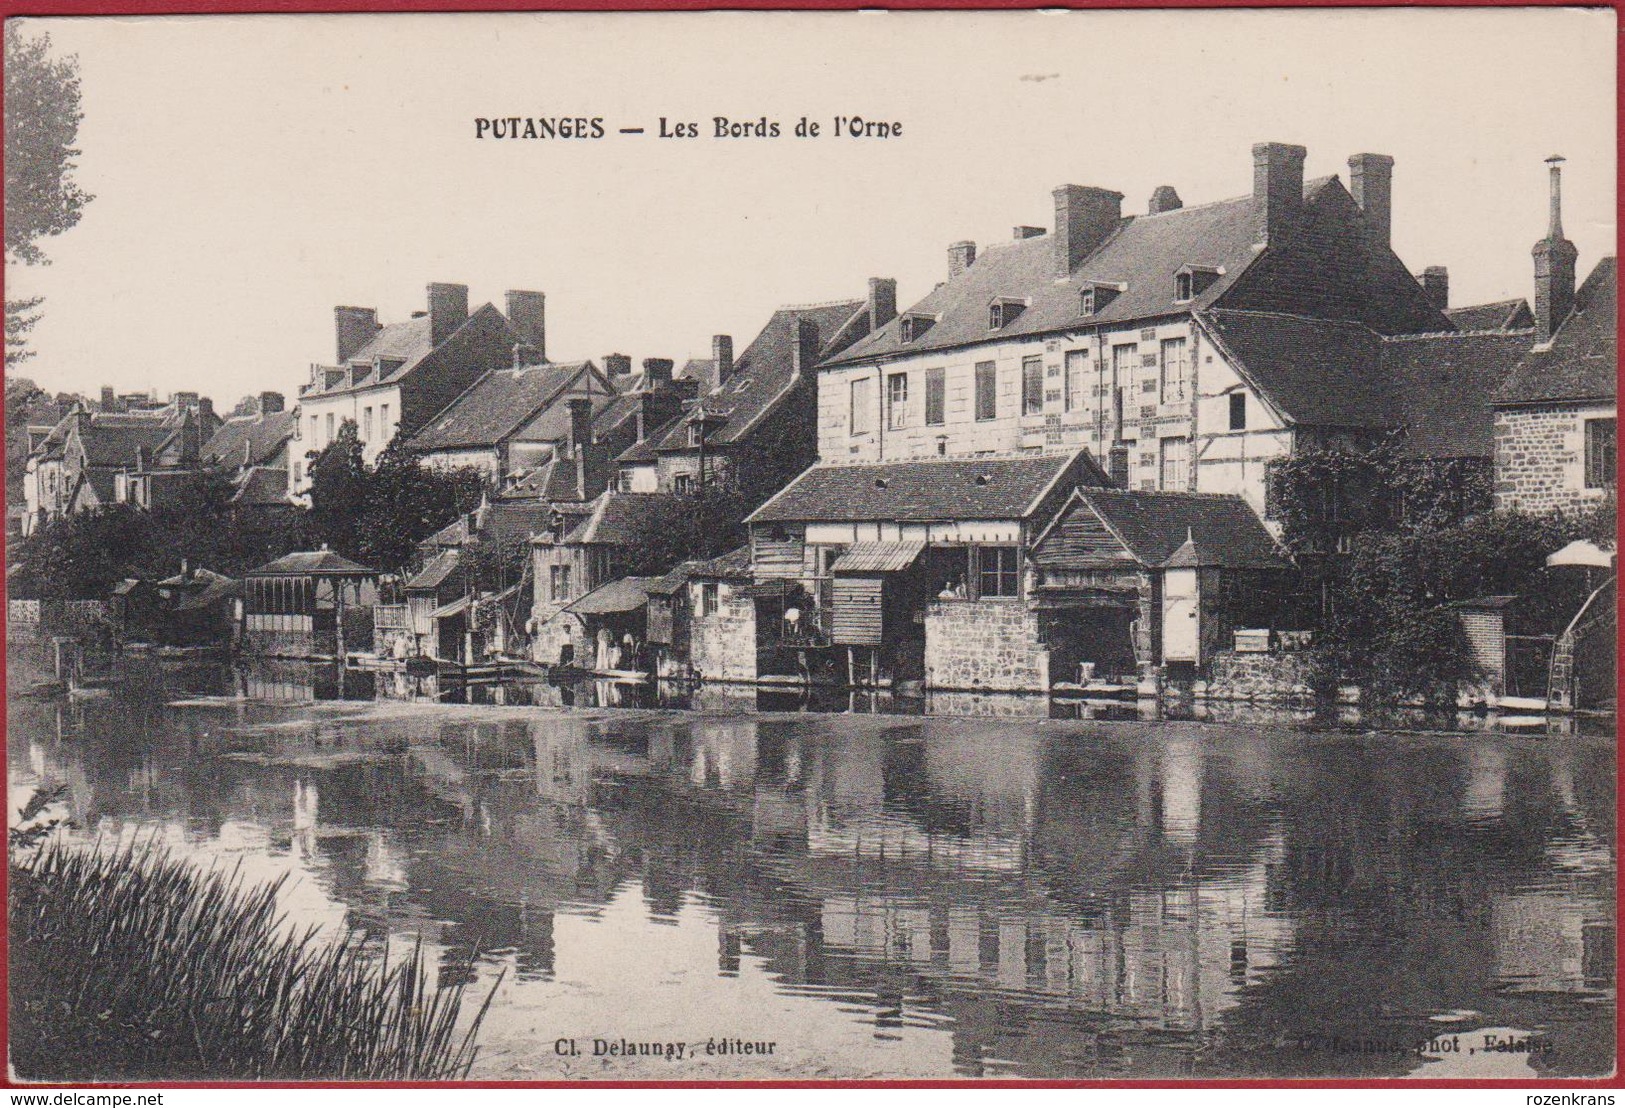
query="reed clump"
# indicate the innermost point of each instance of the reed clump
(130, 964)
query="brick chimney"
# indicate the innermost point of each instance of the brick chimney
(657, 372)
(722, 358)
(1084, 218)
(1024, 231)
(527, 315)
(1554, 264)
(109, 399)
(353, 328)
(961, 256)
(580, 425)
(1371, 183)
(882, 302)
(271, 403)
(617, 365)
(804, 355)
(1277, 188)
(1436, 286)
(1165, 199)
(206, 422)
(448, 309)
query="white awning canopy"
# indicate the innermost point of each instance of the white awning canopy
(1580, 552)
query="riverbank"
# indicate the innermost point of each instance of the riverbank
(130, 965)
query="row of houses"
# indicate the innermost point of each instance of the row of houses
(1055, 467)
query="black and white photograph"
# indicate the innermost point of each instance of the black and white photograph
(701, 547)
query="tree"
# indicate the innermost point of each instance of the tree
(42, 199)
(42, 123)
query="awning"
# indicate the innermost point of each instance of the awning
(451, 609)
(1582, 553)
(878, 557)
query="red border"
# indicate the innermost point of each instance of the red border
(11, 8)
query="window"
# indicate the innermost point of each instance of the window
(987, 394)
(297, 473)
(998, 574)
(1032, 386)
(863, 406)
(1238, 411)
(329, 426)
(1182, 286)
(1077, 367)
(911, 327)
(384, 431)
(683, 484)
(708, 598)
(936, 396)
(313, 431)
(897, 401)
(1176, 464)
(1176, 372)
(560, 580)
(366, 424)
(696, 433)
(1601, 453)
(1002, 312)
(1086, 301)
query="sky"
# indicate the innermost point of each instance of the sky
(251, 172)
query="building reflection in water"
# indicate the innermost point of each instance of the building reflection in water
(1058, 899)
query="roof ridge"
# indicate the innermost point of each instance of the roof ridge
(1482, 333)
(819, 304)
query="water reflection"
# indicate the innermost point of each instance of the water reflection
(930, 897)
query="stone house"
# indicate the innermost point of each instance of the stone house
(1100, 334)
(763, 403)
(393, 379)
(585, 547)
(1555, 416)
(916, 571)
(721, 611)
(254, 449)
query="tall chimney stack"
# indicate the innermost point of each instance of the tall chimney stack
(1277, 188)
(656, 372)
(804, 355)
(580, 425)
(1084, 218)
(961, 256)
(353, 328)
(527, 315)
(882, 302)
(109, 399)
(722, 358)
(1165, 199)
(1371, 183)
(617, 365)
(1436, 286)
(448, 309)
(1554, 264)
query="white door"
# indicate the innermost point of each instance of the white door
(1181, 623)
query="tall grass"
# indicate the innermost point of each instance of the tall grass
(131, 964)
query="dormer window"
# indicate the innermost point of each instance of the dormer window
(1003, 311)
(1095, 295)
(913, 324)
(1192, 280)
(696, 432)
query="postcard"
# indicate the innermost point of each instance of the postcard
(1067, 546)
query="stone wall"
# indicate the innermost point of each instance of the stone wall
(722, 645)
(1540, 458)
(563, 629)
(1257, 677)
(988, 644)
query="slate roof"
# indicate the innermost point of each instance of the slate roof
(672, 581)
(500, 403)
(627, 518)
(1443, 387)
(1329, 373)
(732, 566)
(1582, 362)
(1155, 525)
(311, 561)
(1315, 371)
(1501, 315)
(409, 340)
(626, 594)
(932, 489)
(435, 572)
(762, 373)
(1145, 252)
(114, 444)
(262, 486)
(250, 440)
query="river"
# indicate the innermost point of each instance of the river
(868, 896)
